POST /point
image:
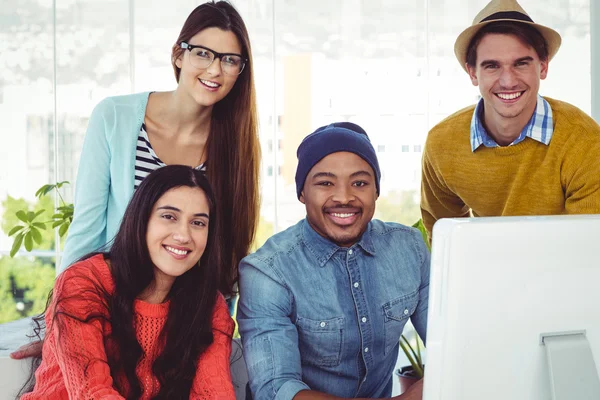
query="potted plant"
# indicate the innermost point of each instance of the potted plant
(28, 231)
(409, 374)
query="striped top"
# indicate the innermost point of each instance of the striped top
(540, 127)
(146, 159)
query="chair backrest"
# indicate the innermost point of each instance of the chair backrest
(13, 373)
(239, 374)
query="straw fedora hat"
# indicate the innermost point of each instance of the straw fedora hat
(502, 10)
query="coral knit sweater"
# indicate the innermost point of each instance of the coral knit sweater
(74, 364)
(528, 178)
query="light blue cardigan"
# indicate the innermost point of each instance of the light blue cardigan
(106, 174)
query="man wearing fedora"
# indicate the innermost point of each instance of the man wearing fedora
(514, 152)
(323, 304)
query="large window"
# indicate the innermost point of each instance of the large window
(387, 65)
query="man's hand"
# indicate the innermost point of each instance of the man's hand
(415, 392)
(33, 349)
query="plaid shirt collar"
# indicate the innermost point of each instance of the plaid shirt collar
(540, 127)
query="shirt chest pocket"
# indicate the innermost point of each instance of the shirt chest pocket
(320, 341)
(395, 315)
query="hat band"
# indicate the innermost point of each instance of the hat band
(507, 15)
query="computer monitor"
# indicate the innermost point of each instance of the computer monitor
(498, 284)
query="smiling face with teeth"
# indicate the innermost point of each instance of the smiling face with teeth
(177, 232)
(208, 86)
(508, 73)
(339, 194)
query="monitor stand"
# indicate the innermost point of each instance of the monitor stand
(573, 373)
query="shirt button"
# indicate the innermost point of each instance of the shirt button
(356, 284)
(364, 319)
(350, 252)
(406, 312)
(366, 349)
(323, 324)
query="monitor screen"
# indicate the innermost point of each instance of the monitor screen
(497, 284)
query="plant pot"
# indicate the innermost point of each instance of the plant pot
(406, 377)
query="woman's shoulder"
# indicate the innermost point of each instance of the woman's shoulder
(126, 102)
(221, 319)
(125, 99)
(118, 116)
(92, 272)
(83, 289)
(220, 304)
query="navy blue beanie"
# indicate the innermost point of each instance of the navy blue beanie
(339, 136)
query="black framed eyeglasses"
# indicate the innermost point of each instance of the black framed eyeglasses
(202, 57)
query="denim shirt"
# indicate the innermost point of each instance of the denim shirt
(313, 315)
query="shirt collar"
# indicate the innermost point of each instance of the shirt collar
(540, 126)
(323, 249)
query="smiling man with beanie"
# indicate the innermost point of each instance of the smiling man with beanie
(323, 303)
(515, 152)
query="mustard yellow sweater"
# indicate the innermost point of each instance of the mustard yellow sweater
(528, 178)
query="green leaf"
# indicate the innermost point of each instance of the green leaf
(421, 227)
(60, 184)
(16, 244)
(43, 190)
(15, 230)
(57, 216)
(63, 230)
(66, 208)
(40, 191)
(57, 223)
(39, 212)
(28, 241)
(22, 216)
(407, 352)
(415, 362)
(414, 354)
(419, 349)
(30, 216)
(40, 225)
(37, 236)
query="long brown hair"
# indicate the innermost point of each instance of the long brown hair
(233, 148)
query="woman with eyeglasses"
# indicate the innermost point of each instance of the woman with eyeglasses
(143, 320)
(208, 122)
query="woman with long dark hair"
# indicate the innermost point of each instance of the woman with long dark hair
(208, 122)
(144, 320)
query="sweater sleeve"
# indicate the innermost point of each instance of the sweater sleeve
(213, 375)
(77, 343)
(87, 232)
(437, 200)
(581, 177)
